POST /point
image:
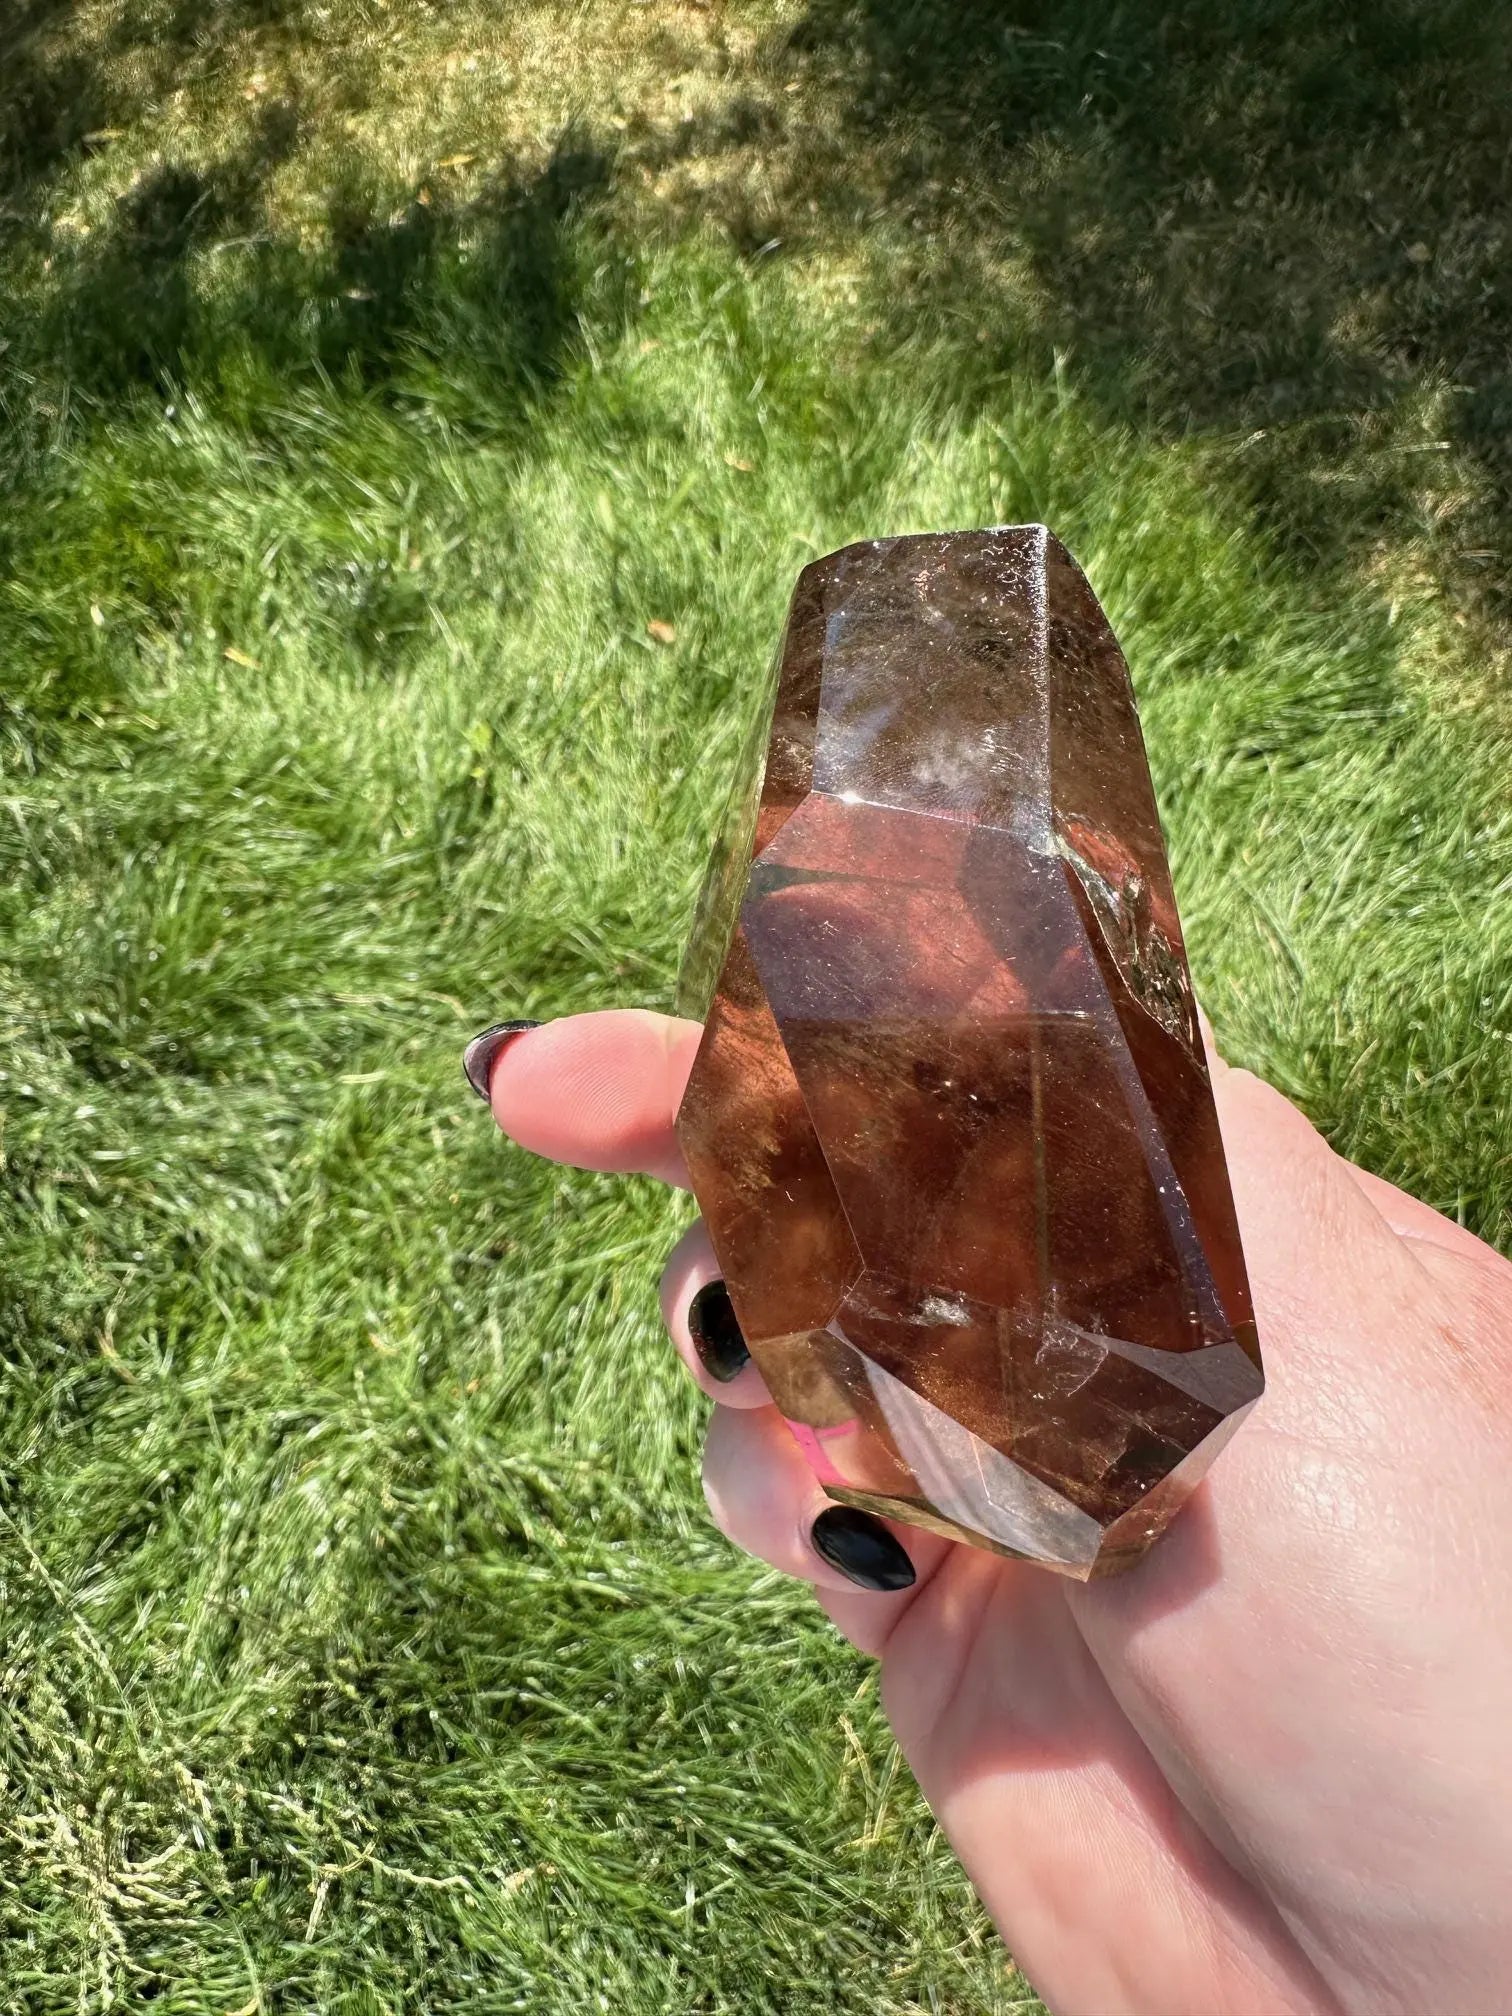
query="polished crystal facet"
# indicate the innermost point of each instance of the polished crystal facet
(950, 1123)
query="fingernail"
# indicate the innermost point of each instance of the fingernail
(721, 1349)
(479, 1057)
(862, 1548)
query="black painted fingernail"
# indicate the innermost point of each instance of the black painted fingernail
(721, 1348)
(862, 1548)
(479, 1056)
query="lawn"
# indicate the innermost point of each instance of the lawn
(372, 377)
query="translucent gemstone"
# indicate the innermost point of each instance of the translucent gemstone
(950, 1124)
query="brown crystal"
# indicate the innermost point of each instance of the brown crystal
(950, 1124)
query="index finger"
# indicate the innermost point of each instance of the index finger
(599, 1091)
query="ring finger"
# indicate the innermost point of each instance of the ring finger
(765, 1497)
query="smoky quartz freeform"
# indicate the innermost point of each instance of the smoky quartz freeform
(950, 1123)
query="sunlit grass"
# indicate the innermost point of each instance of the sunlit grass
(366, 1645)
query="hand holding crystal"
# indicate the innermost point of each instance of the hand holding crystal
(1269, 1769)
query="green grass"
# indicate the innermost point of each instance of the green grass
(366, 1647)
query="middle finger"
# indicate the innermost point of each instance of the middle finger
(704, 1327)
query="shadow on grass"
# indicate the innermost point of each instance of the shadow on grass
(159, 296)
(484, 286)
(61, 93)
(1282, 221)
(1279, 226)
(462, 308)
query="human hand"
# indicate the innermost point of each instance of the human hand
(1269, 1769)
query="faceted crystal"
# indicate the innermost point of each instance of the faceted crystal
(950, 1124)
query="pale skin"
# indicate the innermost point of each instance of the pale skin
(1269, 1770)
